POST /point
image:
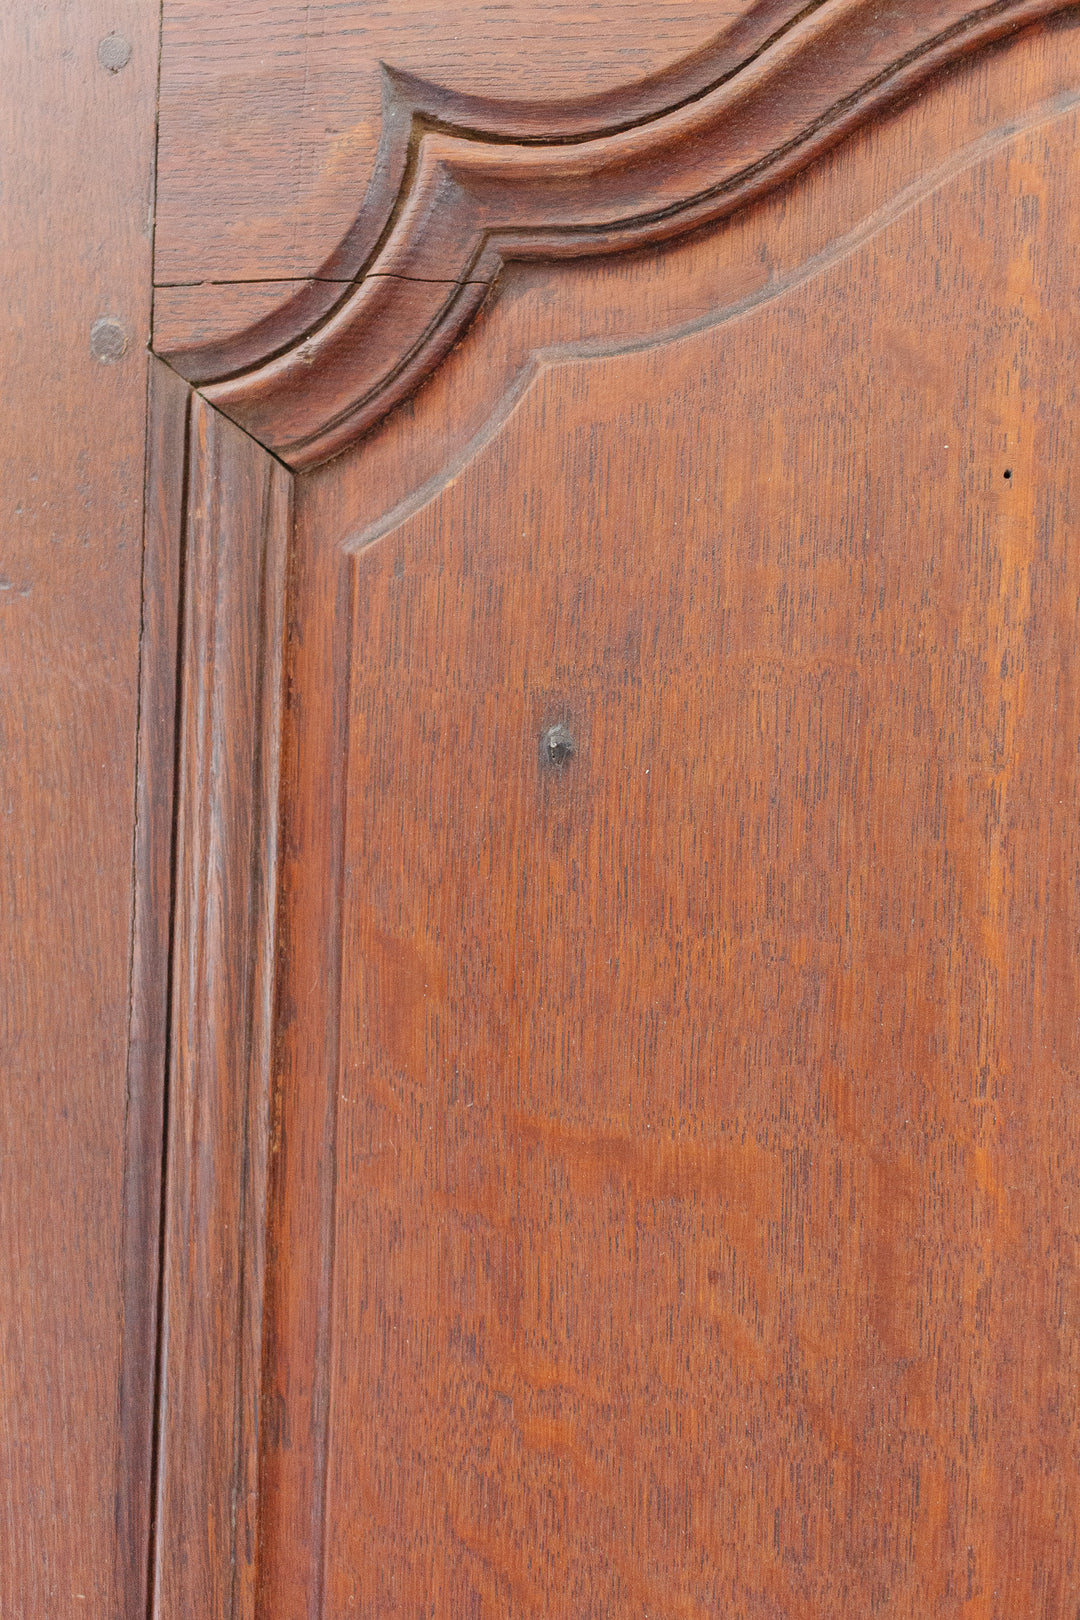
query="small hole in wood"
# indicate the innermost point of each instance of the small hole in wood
(1008, 472)
(556, 745)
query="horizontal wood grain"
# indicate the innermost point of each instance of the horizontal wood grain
(468, 206)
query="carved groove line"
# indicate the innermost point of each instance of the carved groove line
(431, 110)
(413, 107)
(818, 263)
(234, 527)
(466, 206)
(432, 107)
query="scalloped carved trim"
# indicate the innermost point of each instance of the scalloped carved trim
(514, 390)
(413, 106)
(468, 203)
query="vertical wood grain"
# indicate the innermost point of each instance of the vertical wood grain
(76, 194)
(698, 1106)
(703, 1221)
(166, 480)
(647, 1185)
(236, 529)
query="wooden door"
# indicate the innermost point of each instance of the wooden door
(80, 1101)
(622, 1152)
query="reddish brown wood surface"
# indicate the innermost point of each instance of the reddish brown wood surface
(272, 114)
(233, 529)
(310, 378)
(79, 1151)
(703, 1121)
(673, 1169)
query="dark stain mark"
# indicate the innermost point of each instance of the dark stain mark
(556, 746)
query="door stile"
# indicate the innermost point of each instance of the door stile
(224, 549)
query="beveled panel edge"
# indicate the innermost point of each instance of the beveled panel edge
(469, 204)
(507, 397)
(168, 404)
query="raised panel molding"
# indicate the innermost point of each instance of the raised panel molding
(412, 103)
(212, 721)
(469, 187)
(316, 374)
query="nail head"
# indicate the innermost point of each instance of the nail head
(108, 340)
(114, 52)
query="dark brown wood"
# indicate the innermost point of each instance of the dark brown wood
(652, 1191)
(235, 529)
(79, 1151)
(468, 205)
(166, 476)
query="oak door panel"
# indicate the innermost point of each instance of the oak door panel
(697, 1104)
(670, 1170)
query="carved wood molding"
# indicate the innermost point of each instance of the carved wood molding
(222, 505)
(471, 199)
(225, 525)
(413, 106)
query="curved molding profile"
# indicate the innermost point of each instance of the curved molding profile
(510, 391)
(469, 199)
(413, 106)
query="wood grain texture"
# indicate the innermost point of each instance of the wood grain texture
(211, 328)
(279, 119)
(468, 206)
(235, 534)
(76, 155)
(672, 1172)
(147, 1058)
